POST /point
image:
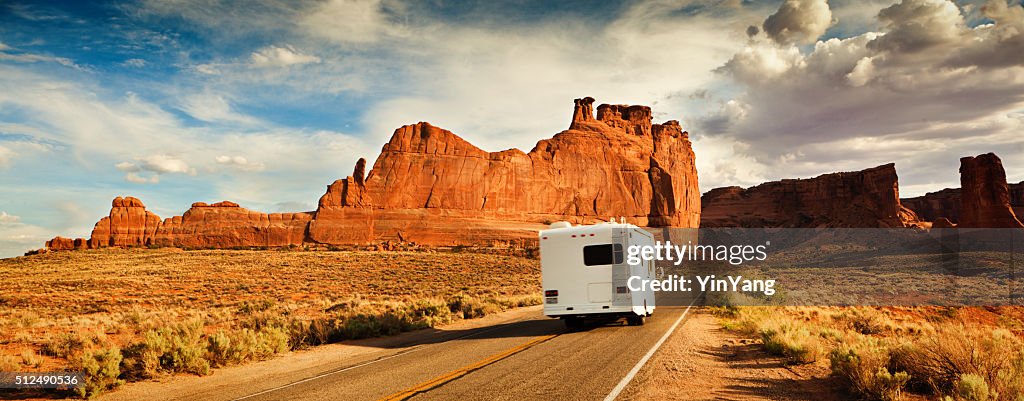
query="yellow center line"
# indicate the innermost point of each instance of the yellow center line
(455, 374)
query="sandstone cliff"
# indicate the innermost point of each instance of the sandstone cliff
(868, 198)
(430, 186)
(984, 195)
(946, 203)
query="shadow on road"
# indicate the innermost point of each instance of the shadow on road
(525, 329)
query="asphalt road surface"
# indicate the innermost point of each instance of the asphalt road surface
(530, 357)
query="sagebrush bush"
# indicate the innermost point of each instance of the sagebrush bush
(29, 358)
(8, 363)
(791, 340)
(170, 349)
(863, 364)
(941, 360)
(65, 345)
(100, 369)
(972, 387)
(236, 346)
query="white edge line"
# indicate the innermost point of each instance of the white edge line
(643, 361)
(333, 372)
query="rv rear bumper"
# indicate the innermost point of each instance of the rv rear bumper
(576, 310)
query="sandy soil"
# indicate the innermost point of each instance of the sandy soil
(702, 361)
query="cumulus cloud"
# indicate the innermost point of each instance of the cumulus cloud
(996, 45)
(165, 164)
(878, 97)
(917, 25)
(798, 21)
(239, 162)
(281, 56)
(757, 63)
(147, 170)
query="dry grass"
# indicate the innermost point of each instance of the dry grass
(137, 314)
(886, 353)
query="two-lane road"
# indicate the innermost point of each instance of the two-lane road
(528, 357)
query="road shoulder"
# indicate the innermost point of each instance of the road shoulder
(702, 361)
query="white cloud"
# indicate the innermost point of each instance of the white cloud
(874, 98)
(763, 61)
(26, 57)
(134, 62)
(239, 162)
(798, 21)
(862, 72)
(17, 237)
(154, 165)
(165, 164)
(5, 157)
(19, 149)
(276, 56)
(213, 107)
(6, 218)
(917, 25)
(128, 167)
(352, 21)
(136, 178)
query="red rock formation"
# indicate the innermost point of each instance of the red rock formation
(984, 196)
(1017, 199)
(935, 205)
(946, 203)
(868, 198)
(59, 243)
(129, 224)
(219, 225)
(432, 187)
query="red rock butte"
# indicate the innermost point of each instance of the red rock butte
(429, 186)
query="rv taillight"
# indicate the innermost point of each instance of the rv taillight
(551, 293)
(545, 238)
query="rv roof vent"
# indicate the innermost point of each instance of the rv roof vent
(561, 224)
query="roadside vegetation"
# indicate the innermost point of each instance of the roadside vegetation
(895, 353)
(130, 315)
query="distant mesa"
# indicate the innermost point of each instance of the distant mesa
(432, 187)
(870, 198)
(867, 198)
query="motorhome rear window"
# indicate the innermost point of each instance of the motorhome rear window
(604, 254)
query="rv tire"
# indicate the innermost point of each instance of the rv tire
(636, 320)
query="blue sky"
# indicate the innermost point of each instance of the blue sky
(268, 102)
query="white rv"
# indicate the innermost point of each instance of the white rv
(584, 272)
